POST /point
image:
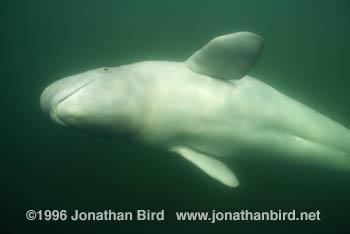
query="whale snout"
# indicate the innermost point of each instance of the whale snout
(61, 90)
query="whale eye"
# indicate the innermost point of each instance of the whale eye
(105, 69)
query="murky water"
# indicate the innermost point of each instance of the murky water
(46, 166)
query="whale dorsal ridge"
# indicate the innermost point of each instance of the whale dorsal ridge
(227, 57)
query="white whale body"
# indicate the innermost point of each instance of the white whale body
(206, 109)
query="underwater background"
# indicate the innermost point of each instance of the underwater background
(46, 166)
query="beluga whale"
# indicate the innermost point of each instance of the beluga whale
(205, 109)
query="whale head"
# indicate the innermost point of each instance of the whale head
(96, 102)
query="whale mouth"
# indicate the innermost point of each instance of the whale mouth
(53, 113)
(54, 117)
(59, 91)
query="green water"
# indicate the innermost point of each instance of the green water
(45, 166)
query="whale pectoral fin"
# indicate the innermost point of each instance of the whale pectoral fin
(227, 57)
(209, 165)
